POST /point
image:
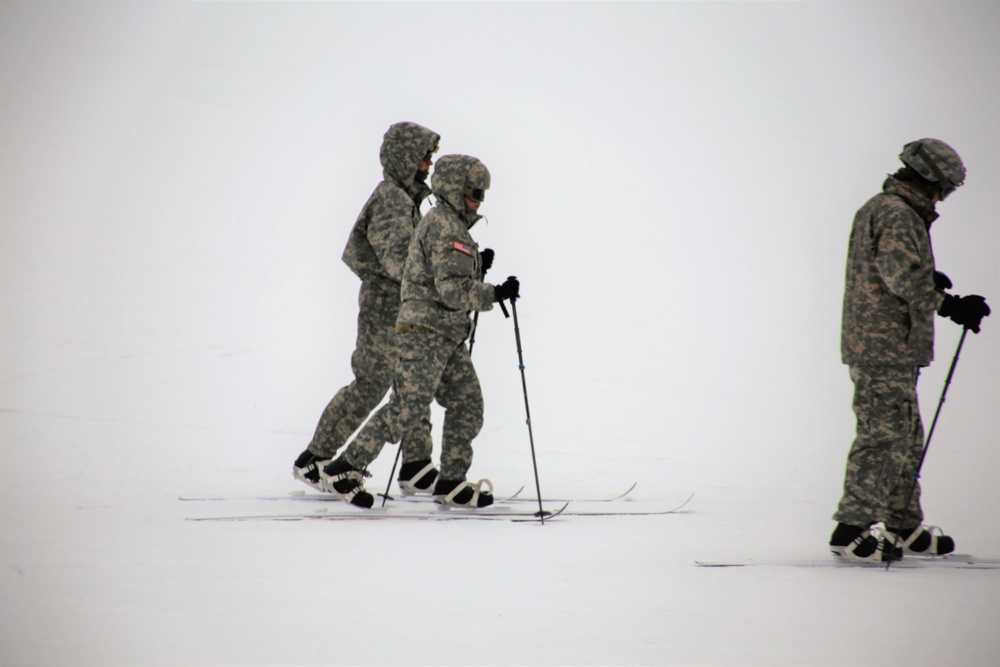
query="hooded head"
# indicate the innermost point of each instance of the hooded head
(457, 177)
(936, 162)
(404, 147)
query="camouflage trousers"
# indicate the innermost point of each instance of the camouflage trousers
(886, 451)
(430, 367)
(373, 363)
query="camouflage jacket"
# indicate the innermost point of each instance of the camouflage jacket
(889, 295)
(376, 249)
(442, 281)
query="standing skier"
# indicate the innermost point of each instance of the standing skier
(442, 283)
(891, 294)
(376, 253)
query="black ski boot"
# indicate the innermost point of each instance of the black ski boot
(306, 469)
(417, 477)
(862, 544)
(921, 541)
(341, 478)
(460, 493)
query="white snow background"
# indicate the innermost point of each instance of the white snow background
(674, 185)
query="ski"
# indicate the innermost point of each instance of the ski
(331, 497)
(424, 498)
(601, 511)
(419, 498)
(348, 513)
(620, 496)
(953, 561)
(419, 511)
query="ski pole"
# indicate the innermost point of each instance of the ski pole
(930, 433)
(472, 333)
(395, 462)
(475, 319)
(475, 323)
(527, 411)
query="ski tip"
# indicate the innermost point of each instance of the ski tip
(627, 491)
(542, 515)
(684, 504)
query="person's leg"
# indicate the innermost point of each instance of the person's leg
(461, 396)
(884, 402)
(422, 357)
(373, 363)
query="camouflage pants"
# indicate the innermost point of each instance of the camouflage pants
(886, 451)
(430, 367)
(373, 363)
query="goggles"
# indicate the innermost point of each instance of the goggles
(947, 187)
(475, 194)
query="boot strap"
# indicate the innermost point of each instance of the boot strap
(476, 489)
(410, 485)
(349, 474)
(934, 532)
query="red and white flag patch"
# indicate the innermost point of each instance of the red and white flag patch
(461, 247)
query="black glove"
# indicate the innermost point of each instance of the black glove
(486, 255)
(968, 311)
(509, 290)
(941, 282)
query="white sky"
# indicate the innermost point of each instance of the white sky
(673, 182)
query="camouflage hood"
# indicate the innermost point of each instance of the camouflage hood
(403, 148)
(452, 174)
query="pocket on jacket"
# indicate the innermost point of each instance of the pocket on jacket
(461, 262)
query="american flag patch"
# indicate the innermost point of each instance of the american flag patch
(461, 247)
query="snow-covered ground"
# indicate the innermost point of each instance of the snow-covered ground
(673, 183)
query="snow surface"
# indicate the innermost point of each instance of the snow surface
(673, 183)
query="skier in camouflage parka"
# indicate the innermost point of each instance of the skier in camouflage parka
(887, 333)
(376, 252)
(890, 297)
(442, 283)
(376, 249)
